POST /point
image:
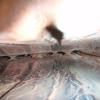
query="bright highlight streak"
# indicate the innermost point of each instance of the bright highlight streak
(29, 26)
(78, 18)
(75, 18)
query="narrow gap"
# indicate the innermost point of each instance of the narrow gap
(50, 53)
(61, 52)
(75, 52)
(22, 56)
(10, 89)
(83, 53)
(4, 58)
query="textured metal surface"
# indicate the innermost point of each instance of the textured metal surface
(59, 77)
(90, 46)
(45, 71)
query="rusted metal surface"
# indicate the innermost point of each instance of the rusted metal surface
(45, 71)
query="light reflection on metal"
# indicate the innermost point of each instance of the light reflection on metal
(76, 20)
(70, 75)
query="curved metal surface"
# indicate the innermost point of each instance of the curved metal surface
(47, 74)
(55, 78)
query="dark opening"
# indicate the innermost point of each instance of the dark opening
(61, 52)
